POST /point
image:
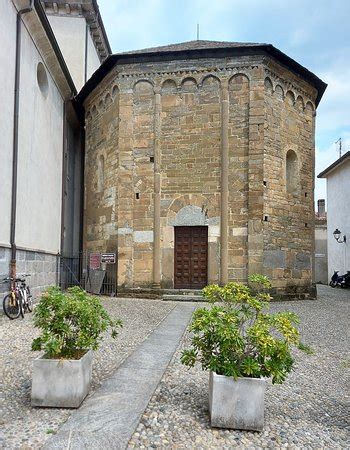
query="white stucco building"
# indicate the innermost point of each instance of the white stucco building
(48, 50)
(321, 260)
(338, 214)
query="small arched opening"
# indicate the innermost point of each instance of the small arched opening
(100, 173)
(291, 171)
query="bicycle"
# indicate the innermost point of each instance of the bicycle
(19, 300)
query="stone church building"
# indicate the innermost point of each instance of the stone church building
(199, 166)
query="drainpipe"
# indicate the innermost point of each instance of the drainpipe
(82, 264)
(64, 180)
(15, 138)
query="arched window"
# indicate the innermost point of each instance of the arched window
(100, 173)
(291, 171)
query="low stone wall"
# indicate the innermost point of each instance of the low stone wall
(43, 268)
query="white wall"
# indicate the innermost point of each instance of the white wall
(70, 35)
(93, 61)
(40, 157)
(7, 82)
(321, 267)
(338, 216)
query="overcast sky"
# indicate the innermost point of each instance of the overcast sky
(316, 33)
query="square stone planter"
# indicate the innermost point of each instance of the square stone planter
(237, 404)
(61, 383)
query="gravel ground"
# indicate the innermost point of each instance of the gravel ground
(310, 410)
(25, 427)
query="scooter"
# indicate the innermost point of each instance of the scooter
(342, 281)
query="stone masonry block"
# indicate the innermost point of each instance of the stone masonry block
(274, 259)
(302, 261)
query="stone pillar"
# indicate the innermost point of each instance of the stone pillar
(224, 183)
(125, 189)
(256, 172)
(157, 185)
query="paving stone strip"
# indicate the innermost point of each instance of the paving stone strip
(109, 418)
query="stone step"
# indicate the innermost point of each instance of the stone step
(183, 297)
(182, 291)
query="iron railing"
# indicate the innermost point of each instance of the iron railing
(76, 271)
(70, 272)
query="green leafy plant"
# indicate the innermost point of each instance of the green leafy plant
(71, 323)
(237, 337)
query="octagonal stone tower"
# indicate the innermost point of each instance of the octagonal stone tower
(200, 166)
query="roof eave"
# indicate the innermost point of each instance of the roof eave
(313, 79)
(269, 49)
(100, 22)
(334, 166)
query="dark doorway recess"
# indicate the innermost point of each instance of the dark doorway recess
(191, 257)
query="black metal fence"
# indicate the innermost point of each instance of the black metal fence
(70, 272)
(94, 271)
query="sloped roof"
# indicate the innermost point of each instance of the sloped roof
(191, 45)
(199, 49)
(335, 165)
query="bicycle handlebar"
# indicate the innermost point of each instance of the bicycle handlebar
(17, 279)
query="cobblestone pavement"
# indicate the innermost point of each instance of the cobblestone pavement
(310, 410)
(22, 426)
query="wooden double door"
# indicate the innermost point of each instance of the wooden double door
(191, 257)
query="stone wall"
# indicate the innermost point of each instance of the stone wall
(202, 142)
(42, 267)
(190, 143)
(288, 186)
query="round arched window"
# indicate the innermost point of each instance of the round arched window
(41, 76)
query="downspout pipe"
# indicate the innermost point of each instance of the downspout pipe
(15, 137)
(64, 178)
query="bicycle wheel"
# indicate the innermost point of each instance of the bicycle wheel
(29, 300)
(11, 306)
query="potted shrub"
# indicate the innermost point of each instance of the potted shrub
(241, 345)
(72, 324)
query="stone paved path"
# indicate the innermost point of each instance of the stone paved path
(109, 418)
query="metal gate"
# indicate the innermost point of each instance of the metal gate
(70, 271)
(96, 272)
(100, 272)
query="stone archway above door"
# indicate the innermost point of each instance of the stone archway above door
(190, 216)
(194, 210)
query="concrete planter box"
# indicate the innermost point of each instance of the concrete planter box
(237, 404)
(61, 383)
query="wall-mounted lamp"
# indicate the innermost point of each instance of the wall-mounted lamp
(337, 234)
